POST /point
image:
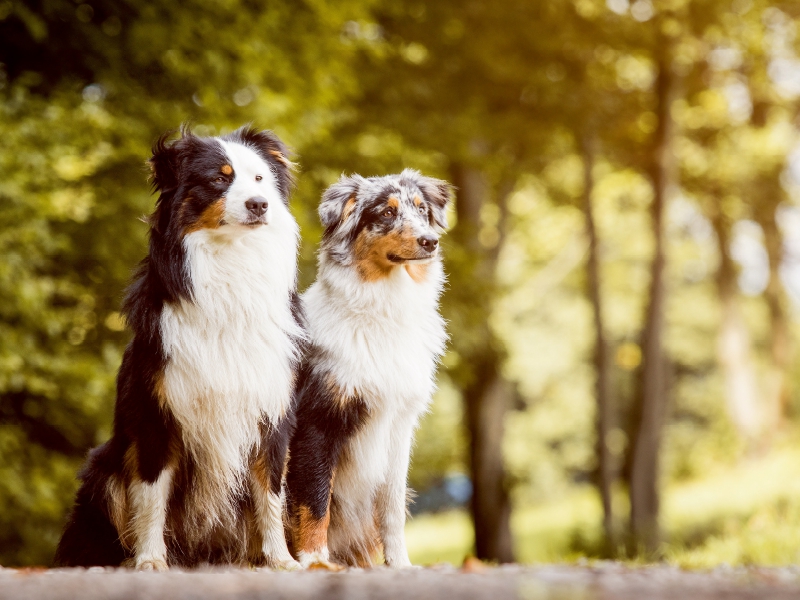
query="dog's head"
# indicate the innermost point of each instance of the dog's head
(220, 189)
(379, 223)
(236, 182)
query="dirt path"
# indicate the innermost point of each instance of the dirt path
(551, 582)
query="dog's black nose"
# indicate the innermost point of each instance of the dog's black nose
(257, 206)
(428, 242)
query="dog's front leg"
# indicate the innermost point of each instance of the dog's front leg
(269, 517)
(326, 420)
(149, 502)
(391, 502)
(266, 484)
(312, 465)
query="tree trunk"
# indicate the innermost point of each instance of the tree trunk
(651, 392)
(487, 396)
(602, 359)
(487, 402)
(776, 382)
(733, 345)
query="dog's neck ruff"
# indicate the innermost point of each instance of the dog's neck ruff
(231, 348)
(382, 339)
(397, 295)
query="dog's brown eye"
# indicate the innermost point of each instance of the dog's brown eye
(422, 210)
(258, 177)
(388, 213)
(219, 180)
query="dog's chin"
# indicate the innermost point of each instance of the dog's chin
(399, 260)
(249, 224)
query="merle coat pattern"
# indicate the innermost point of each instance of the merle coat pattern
(375, 340)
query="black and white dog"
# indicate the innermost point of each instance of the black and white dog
(376, 337)
(193, 472)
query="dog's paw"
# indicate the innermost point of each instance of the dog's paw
(318, 560)
(325, 566)
(286, 565)
(306, 559)
(151, 564)
(401, 562)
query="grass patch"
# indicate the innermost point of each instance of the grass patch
(738, 516)
(442, 537)
(742, 515)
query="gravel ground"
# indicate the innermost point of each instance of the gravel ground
(549, 582)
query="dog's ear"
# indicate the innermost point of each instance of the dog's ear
(164, 163)
(438, 194)
(338, 202)
(270, 147)
(165, 169)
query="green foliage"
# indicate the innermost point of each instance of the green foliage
(440, 447)
(75, 185)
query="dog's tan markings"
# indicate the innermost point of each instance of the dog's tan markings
(333, 389)
(282, 159)
(260, 471)
(159, 390)
(119, 509)
(210, 218)
(118, 512)
(310, 533)
(372, 252)
(370, 264)
(417, 272)
(357, 551)
(359, 555)
(417, 200)
(393, 202)
(349, 207)
(130, 463)
(227, 169)
(338, 396)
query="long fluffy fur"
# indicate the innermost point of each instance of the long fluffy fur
(376, 338)
(193, 472)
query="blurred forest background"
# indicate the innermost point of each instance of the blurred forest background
(624, 266)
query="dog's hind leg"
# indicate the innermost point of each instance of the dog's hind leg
(89, 540)
(91, 537)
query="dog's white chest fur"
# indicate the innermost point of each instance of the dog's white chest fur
(230, 351)
(381, 341)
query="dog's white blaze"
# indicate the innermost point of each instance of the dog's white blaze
(230, 349)
(247, 164)
(382, 341)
